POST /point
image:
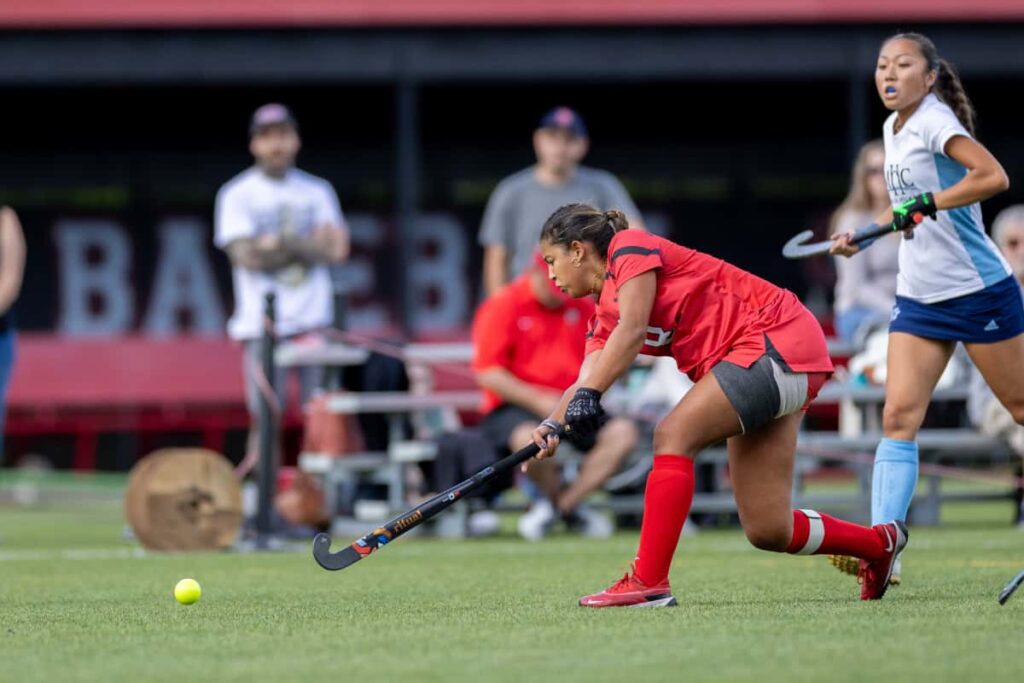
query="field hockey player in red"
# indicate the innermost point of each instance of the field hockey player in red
(757, 356)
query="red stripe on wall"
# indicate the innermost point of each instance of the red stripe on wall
(365, 13)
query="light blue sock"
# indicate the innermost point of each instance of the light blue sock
(894, 480)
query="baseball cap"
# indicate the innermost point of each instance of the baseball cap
(272, 114)
(566, 119)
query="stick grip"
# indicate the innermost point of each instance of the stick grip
(873, 231)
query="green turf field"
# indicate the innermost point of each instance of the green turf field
(78, 604)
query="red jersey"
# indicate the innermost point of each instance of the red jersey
(542, 346)
(706, 310)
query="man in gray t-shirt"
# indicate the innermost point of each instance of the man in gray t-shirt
(522, 202)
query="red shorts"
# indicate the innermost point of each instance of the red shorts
(791, 331)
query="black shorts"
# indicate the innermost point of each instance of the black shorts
(499, 424)
(767, 390)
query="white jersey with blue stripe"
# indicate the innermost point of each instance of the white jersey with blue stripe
(951, 256)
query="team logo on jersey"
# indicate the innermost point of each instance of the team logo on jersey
(898, 180)
(660, 337)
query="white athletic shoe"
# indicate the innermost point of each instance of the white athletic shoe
(483, 523)
(537, 522)
(592, 524)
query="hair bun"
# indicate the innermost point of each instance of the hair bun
(616, 219)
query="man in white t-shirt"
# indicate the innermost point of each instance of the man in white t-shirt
(281, 229)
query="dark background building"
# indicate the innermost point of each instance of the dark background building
(731, 136)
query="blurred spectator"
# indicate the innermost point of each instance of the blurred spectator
(529, 342)
(983, 408)
(865, 285)
(12, 269)
(523, 201)
(280, 227)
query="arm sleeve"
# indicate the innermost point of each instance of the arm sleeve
(492, 345)
(231, 219)
(616, 197)
(633, 253)
(938, 127)
(496, 227)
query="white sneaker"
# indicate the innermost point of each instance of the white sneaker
(592, 523)
(537, 522)
(483, 523)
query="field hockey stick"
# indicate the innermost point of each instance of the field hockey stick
(413, 518)
(1007, 591)
(795, 247)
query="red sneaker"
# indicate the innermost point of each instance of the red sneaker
(629, 591)
(874, 576)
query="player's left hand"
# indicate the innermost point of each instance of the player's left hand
(586, 417)
(546, 438)
(903, 214)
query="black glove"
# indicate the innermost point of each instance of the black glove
(903, 214)
(585, 417)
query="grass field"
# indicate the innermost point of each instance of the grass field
(80, 604)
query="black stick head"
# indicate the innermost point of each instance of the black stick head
(334, 561)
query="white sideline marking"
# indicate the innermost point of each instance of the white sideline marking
(72, 554)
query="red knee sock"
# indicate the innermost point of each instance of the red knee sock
(667, 502)
(818, 534)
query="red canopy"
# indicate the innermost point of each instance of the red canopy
(365, 13)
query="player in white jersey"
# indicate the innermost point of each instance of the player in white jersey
(281, 228)
(953, 284)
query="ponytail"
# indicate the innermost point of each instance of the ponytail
(583, 223)
(951, 91)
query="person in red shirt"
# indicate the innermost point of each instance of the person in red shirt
(757, 357)
(529, 341)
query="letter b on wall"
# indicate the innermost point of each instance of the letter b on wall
(96, 295)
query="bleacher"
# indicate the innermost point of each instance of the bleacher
(436, 398)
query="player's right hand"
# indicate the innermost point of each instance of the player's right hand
(841, 245)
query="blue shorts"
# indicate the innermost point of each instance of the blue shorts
(990, 315)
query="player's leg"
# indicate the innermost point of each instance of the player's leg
(1002, 365)
(704, 416)
(761, 466)
(913, 367)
